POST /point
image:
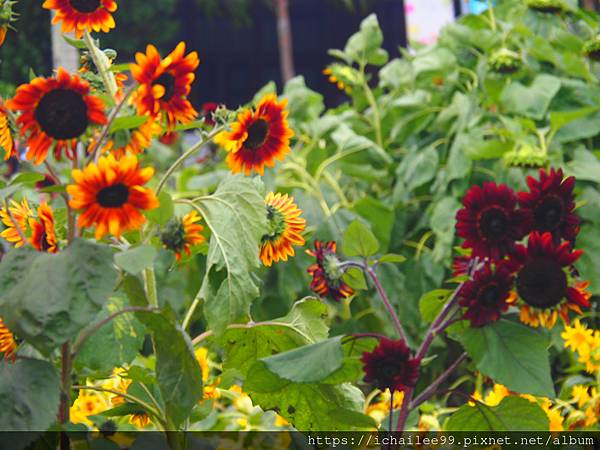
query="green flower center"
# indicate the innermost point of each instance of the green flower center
(277, 224)
(173, 237)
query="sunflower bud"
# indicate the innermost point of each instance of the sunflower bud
(7, 15)
(526, 155)
(591, 48)
(547, 6)
(505, 61)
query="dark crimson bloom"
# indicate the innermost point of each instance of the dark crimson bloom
(550, 204)
(207, 112)
(326, 273)
(544, 284)
(489, 222)
(486, 295)
(391, 366)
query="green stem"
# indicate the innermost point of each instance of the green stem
(373, 104)
(125, 395)
(191, 310)
(150, 282)
(102, 64)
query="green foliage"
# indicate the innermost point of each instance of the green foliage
(359, 240)
(47, 299)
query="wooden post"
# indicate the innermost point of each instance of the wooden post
(63, 54)
(284, 34)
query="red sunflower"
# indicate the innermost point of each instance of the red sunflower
(43, 235)
(111, 195)
(489, 222)
(391, 366)
(550, 204)
(55, 111)
(486, 295)
(83, 15)
(258, 137)
(326, 273)
(165, 84)
(544, 284)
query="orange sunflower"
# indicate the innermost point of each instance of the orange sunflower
(258, 137)
(181, 234)
(140, 138)
(55, 111)
(8, 345)
(43, 235)
(83, 15)
(165, 84)
(285, 229)
(20, 212)
(111, 195)
(6, 139)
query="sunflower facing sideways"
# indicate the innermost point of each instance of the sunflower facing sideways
(8, 345)
(83, 15)
(55, 112)
(6, 140)
(543, 281)
(111, 195)
(15, 218)
(257, 138)
(285, 229)
(181, 234)
(327, 276)
(165, 83)
(43, 235)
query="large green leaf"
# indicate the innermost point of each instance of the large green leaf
(136, 259)
(236, 215)
(531, 101)
(47, 299)
(29, 395)
(365, 45)
(359, 240)
(584, 166)
(178, 374)
(512, 414)
(511, 354)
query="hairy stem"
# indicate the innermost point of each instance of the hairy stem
(150, 282)
(102, 64)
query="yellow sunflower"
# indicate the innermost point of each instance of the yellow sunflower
(6, 139)
(8, 345)
(20, 212)
(285, 229)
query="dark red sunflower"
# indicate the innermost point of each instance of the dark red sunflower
(55, 112)
(326, 272)
(207, 112)
(485, 296)
(391, 366)
(257, 138)
(165, 84)
(83, 15)
(550, 204)
(544, 283)
(489, 221)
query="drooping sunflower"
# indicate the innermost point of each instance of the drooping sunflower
(327, 275)
(8, 345)
(83, 15)
(549, 205)
(6, 139)
(544, 284)
(285, 229)
(55, 111)
(391, 366)
(489, 221)
(181, 234)
(165, 84)
(257, 138)
(486, 295)
(140, 138)
(20, 212)
(43, 235)
(111, 195)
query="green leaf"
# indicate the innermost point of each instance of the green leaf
(304, 104)
(365, 45)
(114, 344)
(559, 119)
(164, 212)
(431, 303)
(359, 240)
(48, 298)
(27, 178)
(355, 278)
(532, 101)
(581, 128)
(584, 166)
(29, 395)
(236, 215)
(178, 374)
(418, 168)
(77, 43)
(127, 123)
(511, 354)
(392, 258)
(512, 414)
(136, 259)
(379, 216)
(309, 363)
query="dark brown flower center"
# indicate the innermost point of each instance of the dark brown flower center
(549, 213)
(62, 114)
(85, 6)
(493, 223)
(44, 244)
(489, 296)
(167, 81)
(257, 134)
(113, 196)
(542, 283)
